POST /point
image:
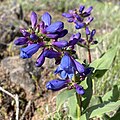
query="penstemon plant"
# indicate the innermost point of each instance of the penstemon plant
(75, 78)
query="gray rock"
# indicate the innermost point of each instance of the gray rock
(11, 63)
(11, 19)
(20, 72)
(22, 78)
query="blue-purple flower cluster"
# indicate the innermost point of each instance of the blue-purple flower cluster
(45, 35)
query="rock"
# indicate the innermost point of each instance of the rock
(2, 47)
(11, 63)
(21, 71)
(22, 78)
(11, 19)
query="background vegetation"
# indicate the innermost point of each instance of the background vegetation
(106, 15)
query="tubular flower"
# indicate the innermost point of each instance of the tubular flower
(50, 53)
(79, 89)
(43, 35)
(78, 16)
(90, 35)
(56, 84)
(40, 60)
(60, 44)
(21, 41)
(33, 19)
(52, 30)
(79, 67)
(28, 51)
(66, 67)
(74, 39)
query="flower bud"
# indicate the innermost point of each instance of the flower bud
(20, 41)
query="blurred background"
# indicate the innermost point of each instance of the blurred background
(22, 77)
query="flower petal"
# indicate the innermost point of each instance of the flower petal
(51, 54)
(52, 36)
(89, 9)
(79, 25)
(20, 41)
(40, 60)
(24, 32)
(63, 74)
(80, 68)
(81, 8)
(34, 37)
(66, 62)
(62, 33)
(60, 44)
(56, 84)
(28, 51)
(33, 19)
(92, 34)
(79, 89)
(54, 27)
(87, 31)
(89, 20)
(67, 15)
(46, 18)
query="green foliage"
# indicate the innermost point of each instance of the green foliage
(105, 61)
(102, 108)
(88, 86)
(113, 95)
(102, 64)
(63, 97)
(74, 110)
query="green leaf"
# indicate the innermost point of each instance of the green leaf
(99, 73)
(63, 96)
(116, 116)
(112, 95)
(100, 109)
(74, 110)
(88, 86)
(83, 117)
(105, 61)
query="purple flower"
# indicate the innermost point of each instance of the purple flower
(52, 30)
(92, 34)
(28, 51)
(87, 71)
(34, 37)
(79, 25)
(24, 32)
(79, 89)
(46, 18)
(79, 67)
(78, 16)
(21, 41)
(40, 60)
(89, 20)
(87, 31)
(50, 53)
(81, 8)
(56, 84)
(66, 67)
(33, 18)
(60, 44)
(87, 12)
(74, 39)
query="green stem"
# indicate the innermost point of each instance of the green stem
(79, 101)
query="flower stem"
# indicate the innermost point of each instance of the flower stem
(79, 103)
(78, 99)
(89, 54)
